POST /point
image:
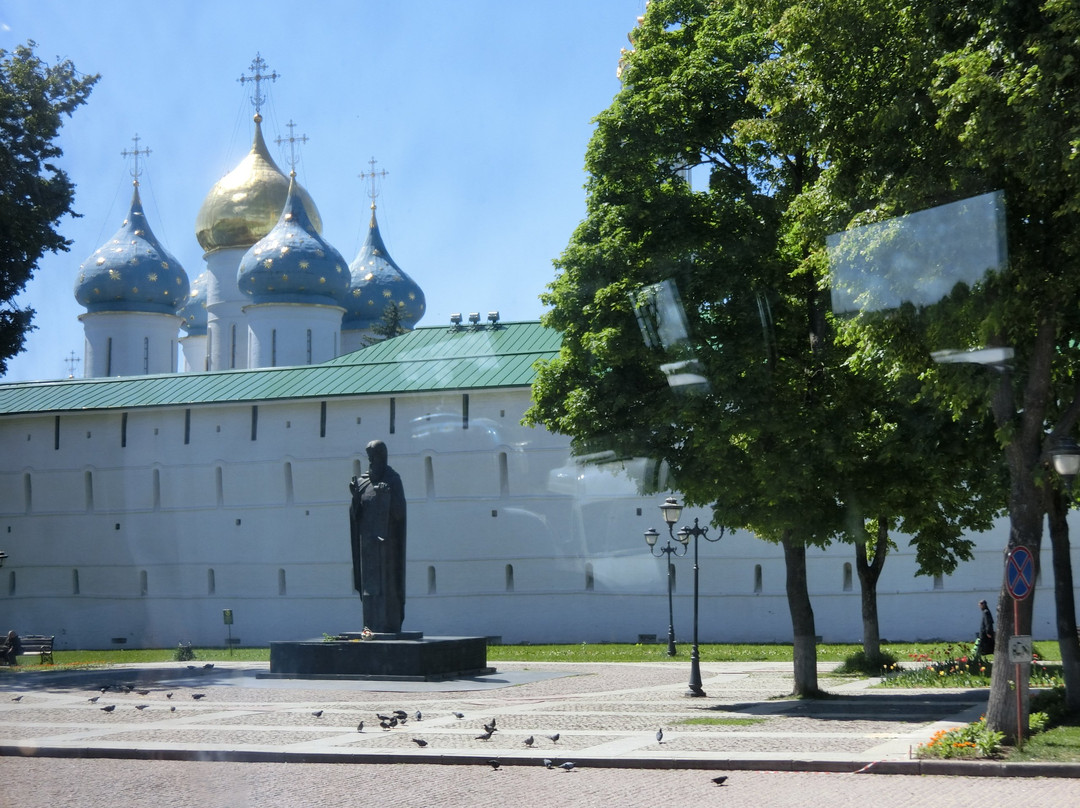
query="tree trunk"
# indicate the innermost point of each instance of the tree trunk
(802, 618)
(869, 573)
(1025, 422)
(1064, 598)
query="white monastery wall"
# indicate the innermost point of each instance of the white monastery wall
(143, 526)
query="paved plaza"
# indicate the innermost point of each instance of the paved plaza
(222, 735)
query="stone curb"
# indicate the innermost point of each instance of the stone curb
(954, 768)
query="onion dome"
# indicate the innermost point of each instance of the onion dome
(293, 263)
(376, 282)
(245, 204)
(193, 311)
(132, 271)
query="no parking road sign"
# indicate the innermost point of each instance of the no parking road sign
(1020, 572)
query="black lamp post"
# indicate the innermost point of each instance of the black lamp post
(695, 666)
(671, 510)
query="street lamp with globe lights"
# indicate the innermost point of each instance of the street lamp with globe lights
(1066, 457)
(671, 510)
(695, 665)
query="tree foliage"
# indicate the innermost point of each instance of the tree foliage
(789, 439)
(35, 193)
(944, 101)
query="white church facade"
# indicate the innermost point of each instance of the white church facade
(139, 503)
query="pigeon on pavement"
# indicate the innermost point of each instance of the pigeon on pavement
(660, 735)
(360, 727)
(720, 780)
(318, 713)
(141, 706)
(484, 737)
(419, 742)
(458, 715)
(93, 700)
(418, 716)
(529, 741)
(198, 696)
(547, 762)
(554, 738)
(108, 709)
(494, 763)
(566, 766)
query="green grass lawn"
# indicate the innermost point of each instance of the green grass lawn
(1057, 745)
(583, 652)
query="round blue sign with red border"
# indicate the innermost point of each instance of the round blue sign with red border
(1020, 572)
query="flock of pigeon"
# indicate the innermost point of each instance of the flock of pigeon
(397, 718)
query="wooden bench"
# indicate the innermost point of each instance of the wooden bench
(37, 644)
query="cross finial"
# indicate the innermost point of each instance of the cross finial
(135, 153)
(373, 175)
(257, 66)
(292, 140)
(72, 360)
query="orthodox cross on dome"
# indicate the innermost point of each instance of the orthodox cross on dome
(257, 66)
(71, 361)
(135, 153)
(373, 175)
(292, 140)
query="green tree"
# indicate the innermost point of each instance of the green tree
(389, 325)
(684, 90)
(941, 102)
(34, 192)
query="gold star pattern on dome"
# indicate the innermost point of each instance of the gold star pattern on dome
(304, 264)
(152, 277)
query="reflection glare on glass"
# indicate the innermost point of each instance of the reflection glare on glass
(919, 258)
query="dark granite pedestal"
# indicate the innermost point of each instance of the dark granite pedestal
(408, 656)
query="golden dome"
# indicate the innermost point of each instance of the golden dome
(245, 204)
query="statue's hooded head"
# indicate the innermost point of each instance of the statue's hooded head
(377, 459)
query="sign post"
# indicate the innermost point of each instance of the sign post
(226, 615)
(1020, 581)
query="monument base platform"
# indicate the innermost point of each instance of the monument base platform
(408, 657)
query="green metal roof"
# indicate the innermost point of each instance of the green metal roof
(426, 359)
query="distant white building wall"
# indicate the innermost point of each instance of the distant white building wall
(193, 349)
(129, 343)
(284, 334)
(144, 524)
(226, 325)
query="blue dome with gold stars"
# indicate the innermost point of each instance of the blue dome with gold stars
(293, 263)
(132, 271)
(193, 311)
(378, 282)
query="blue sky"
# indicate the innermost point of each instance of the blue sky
(479, 110)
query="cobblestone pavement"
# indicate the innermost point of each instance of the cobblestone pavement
(221, 736)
